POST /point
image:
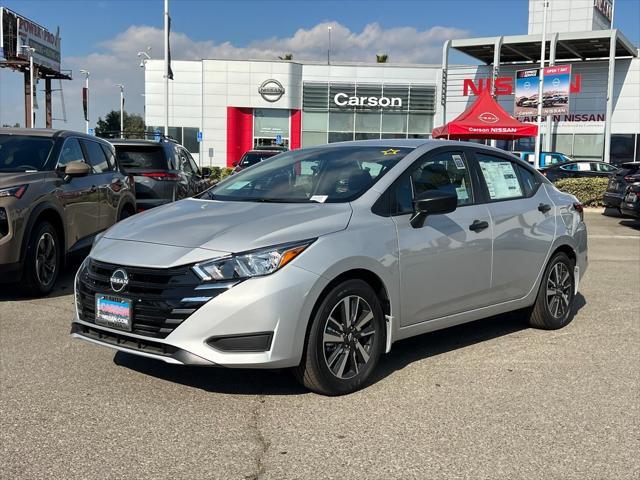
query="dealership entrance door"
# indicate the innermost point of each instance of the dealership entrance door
(268, 125)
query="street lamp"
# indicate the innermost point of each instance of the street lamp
(86, 86)
(121, 108)
(144, 56)
(329, 50)
(30, 51)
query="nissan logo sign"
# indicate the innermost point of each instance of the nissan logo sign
(488, 117)
(271, 90)
(119, 279)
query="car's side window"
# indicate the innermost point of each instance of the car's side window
(97, 158)
(500, 177)
(185, 165)
(71, 152)
(603, 167)
(529, 181)
(444, 171)
(111, 159)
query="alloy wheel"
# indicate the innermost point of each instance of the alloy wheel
(559, 290)
(46, 258)
(348, 337)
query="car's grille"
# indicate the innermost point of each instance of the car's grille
(161, 298)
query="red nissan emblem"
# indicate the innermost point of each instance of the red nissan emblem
(488, 117)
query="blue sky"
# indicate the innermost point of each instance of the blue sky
(104, 35)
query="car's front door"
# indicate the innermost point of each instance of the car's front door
(445, 266)
(78, 195)
(523, 220)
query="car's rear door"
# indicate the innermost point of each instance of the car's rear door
(79, 196)
(523, 221)
(445, 266)
(108, 182)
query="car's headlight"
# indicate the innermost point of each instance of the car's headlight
(250, 264)
(17, 191)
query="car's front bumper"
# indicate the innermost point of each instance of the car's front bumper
(278, 305)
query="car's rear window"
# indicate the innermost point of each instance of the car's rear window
(628, 169)
(22, 153)
(138, 156)
(251, 158)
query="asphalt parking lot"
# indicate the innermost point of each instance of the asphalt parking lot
(493, 399)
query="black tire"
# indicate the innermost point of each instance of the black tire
(554, 304)
(341, 367)
(42, 260)
(126, 212)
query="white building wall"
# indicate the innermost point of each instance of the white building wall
(566, 16)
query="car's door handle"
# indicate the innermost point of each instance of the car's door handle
(544, 207)
(478, 226)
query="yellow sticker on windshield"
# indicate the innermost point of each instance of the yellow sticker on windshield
(390, 151)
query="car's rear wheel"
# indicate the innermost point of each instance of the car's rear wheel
(345, 340)
(43, 259)
(554, 305)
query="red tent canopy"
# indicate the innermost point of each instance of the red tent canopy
(485, 119)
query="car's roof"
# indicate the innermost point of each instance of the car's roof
(47, 132)
(138, 142)
(264, 150)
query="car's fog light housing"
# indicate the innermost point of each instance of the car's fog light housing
(255, 263)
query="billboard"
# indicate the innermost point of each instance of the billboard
(17, 31)
(555, 91)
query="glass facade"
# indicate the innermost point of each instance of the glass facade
(337, 112)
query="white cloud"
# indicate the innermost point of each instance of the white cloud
(116, 62)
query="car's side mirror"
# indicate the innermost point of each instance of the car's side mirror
(77, 168)
(432, 202)
(206, 172)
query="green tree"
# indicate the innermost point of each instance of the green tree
(382, 58)
(286, 56)
(110, 127)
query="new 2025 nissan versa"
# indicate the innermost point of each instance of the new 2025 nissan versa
(319, 259)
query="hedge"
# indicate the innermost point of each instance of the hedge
(589, 191)
(218, 174)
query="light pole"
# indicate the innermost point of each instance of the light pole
(30, 50)
(329, 49)
(121, 108)
(545, 4)
(144, 56)
(86, 87)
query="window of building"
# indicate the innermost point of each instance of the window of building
(394, 122)
(310, 139)
(190, 139)
(368, 122)
(176, 134)
(622, 148)
(563, 143)
(341, 121)
(340, 137)
(588, 146)
(314, 121)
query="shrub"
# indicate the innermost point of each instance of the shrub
(589, 191)
(218, 174)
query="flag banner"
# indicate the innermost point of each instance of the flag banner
(85, 102)
(169, 71)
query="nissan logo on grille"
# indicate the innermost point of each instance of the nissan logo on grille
(271, 90)
(119, 279)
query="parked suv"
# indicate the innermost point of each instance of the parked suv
(627, 174)
(163, 171)
(57, 190)
(321, 258)
(254, 156)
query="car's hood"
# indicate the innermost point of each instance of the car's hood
(231, 226)
(12, 179)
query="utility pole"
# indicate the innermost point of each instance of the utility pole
(166, 67)
(30, 51)
(329, 49)
(86, 86)
(545, 4)
(121, 109)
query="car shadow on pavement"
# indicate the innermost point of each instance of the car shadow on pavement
(281, 382)
(635, 224)
(64, 284)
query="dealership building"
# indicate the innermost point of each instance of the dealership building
(241, 104)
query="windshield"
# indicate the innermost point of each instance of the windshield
(131, 156)
(251, 158)
(336, 174)
(21, 153)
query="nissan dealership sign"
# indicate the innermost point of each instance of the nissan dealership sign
(343, 100)
(271, 90)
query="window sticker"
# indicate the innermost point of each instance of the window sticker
(319, 198)
(389, 151)
(237, 185)
(458, 161)
(501, 180)
(462, 193)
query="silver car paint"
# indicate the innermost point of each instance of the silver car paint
(283, 301)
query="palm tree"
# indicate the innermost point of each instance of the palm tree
(286, 56)
(382, 58)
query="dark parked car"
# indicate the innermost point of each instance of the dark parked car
(630, 205)
(578, 169)
(163, 171)
(254, 156)
(58, 189)
(627, 174)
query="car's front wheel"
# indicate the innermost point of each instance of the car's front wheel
(554, 305)
(43, 259)
(345, 340)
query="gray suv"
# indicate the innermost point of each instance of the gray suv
(57, 190)
(320, 259)
(163, 171)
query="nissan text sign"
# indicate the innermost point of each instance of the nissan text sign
(504, 85)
